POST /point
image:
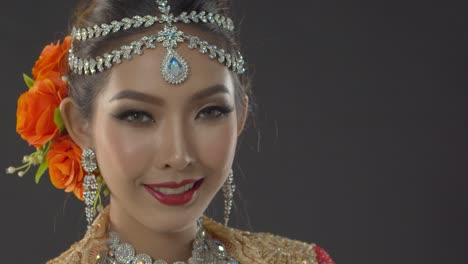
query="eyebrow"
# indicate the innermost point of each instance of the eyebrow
(143, 97)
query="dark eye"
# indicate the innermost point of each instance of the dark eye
(213, 112)
(135, 116)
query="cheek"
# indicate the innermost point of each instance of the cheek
(216, 146)
(126, 154)
(122, 151)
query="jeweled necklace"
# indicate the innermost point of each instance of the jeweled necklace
(204, 250)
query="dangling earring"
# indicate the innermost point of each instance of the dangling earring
(88, 161)
(228, 190)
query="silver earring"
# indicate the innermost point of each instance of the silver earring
(88, 161)
(228, 190)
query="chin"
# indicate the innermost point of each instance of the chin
(165, 218)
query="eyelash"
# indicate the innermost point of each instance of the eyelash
(220, 111)
(135, 114)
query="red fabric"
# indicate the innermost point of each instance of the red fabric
(322, 256)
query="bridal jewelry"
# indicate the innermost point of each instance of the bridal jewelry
(174, 68)
(88, 161)
(228, 191)
(204, 250)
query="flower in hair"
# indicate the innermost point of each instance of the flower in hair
(65, 168)
(53, 58)
(40, 124)
(35, 113)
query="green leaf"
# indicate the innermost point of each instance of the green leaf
(40, 171)
(28, 80)
(58, 120)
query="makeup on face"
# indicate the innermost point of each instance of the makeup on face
(170, 146)
(172, 193)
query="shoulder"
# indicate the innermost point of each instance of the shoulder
(84, 251)
(88, 249)
(277, 249)
(249, 247)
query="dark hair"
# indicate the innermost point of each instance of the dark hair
(84, 88)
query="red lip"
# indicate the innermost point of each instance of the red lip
(173, 199)
(172, 184)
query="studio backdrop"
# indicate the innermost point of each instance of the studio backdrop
(358, 141)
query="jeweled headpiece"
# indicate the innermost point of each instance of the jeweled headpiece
(174, 68)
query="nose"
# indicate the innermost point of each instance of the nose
(174, 147)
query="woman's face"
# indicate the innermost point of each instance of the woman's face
(147, 132)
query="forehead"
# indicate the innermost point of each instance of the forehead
(143, 73)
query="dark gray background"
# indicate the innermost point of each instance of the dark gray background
(360, 138)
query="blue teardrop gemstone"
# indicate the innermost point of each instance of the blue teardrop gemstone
(174, 67)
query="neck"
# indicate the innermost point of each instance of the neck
(168, 246)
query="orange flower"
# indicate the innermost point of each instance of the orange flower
(57, 85)
(35, 112)
(65, 171)
(53, 58)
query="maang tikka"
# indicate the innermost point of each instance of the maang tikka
(88, 161)
(228, 192)
(174, 68)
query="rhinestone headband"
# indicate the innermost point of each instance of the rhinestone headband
(174, 68)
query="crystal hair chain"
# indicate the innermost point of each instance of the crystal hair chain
(174, 68)
(81, 34)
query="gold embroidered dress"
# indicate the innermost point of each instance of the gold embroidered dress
(245, 247)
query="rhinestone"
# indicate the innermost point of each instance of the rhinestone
(149, 42)
(89, 182)
(149, 20)
(183, 17)
(83, 34)
(108, 60)
(174, 68)
(229, 24)
(80, 66)
(100, 62)
(217, 248)
(124, 253)
(138, 21)
(228, 60)
(126, 51)
(97, 31)
(136, 45)
(203, 49)
(202, 17)
(222, 21)
(88, 160)
(90, 32)
(92, 66)
(212, 55)
(142, 259)
(220, 246)
(116, 26)
(86, 67)
(217, 19)
(113, 240)
(117, 54)
(193, 16)
(127, 23)
(192, 45)
(210, 17)
(106, 29)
